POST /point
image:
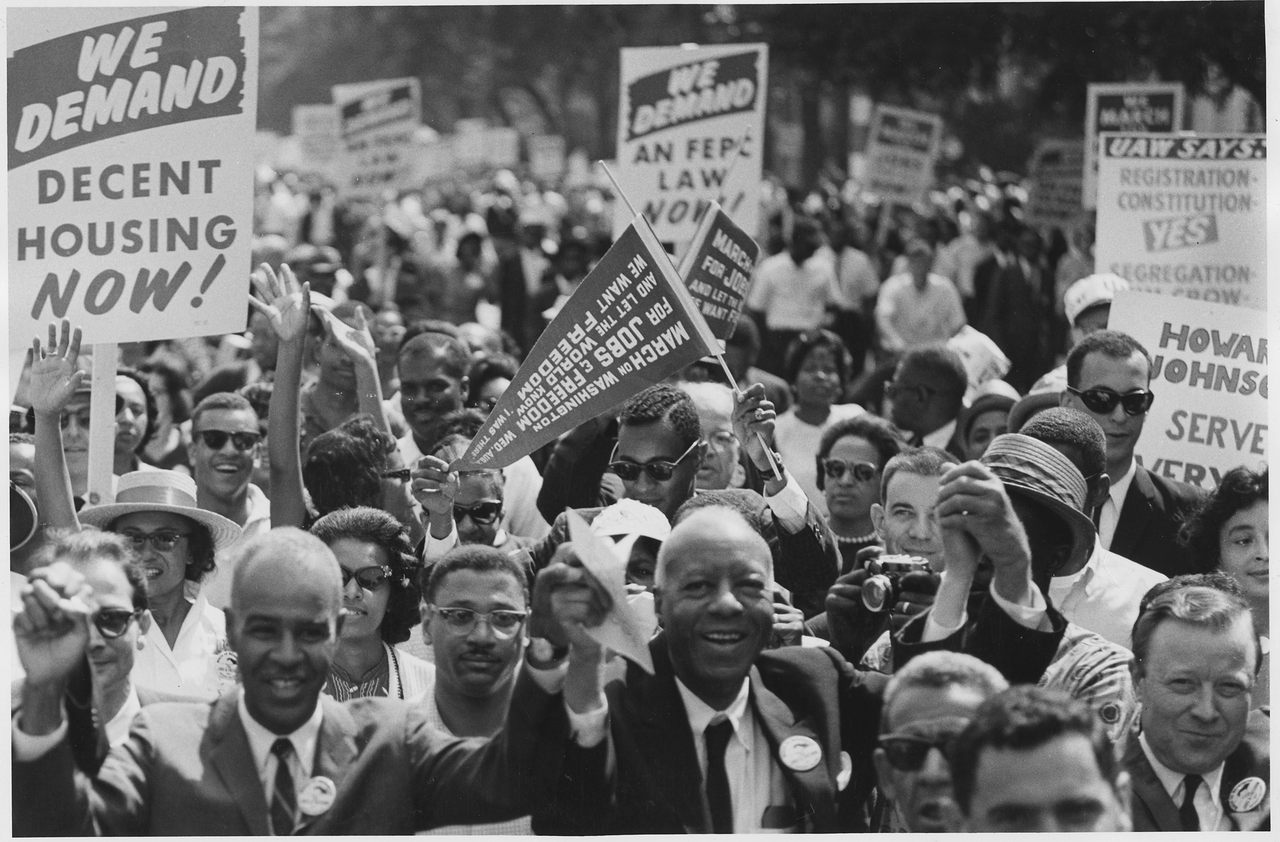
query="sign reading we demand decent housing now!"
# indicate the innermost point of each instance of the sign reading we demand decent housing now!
(130, 174)
(630, 323)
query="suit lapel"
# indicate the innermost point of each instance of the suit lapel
(335, 750)
(232, 759)
(1135, 515)
(812, 789)
(1148, 793)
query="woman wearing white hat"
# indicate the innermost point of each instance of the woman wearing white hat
(185, 651)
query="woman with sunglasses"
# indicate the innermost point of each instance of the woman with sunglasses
(851, 457)
(380, 602)
(817, 367)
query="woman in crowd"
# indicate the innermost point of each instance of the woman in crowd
(1229, 533)
(851, 456)
(986, 417)
(135, 420)
(380, 598)
(817, 367)
(490, 376)
(167, 445)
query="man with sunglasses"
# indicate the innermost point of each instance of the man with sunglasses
(1109, 377)
(223, 451)
(926, 705)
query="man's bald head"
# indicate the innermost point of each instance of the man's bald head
(286, 553)
(712, 526)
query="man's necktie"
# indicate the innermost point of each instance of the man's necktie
(1097, 518)
(283, 796)
(717, 736)
(1187, 812)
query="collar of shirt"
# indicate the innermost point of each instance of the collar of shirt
(259, 506)
(118, 728)
(700, 715)
(1061, 586)
(260, 739)
(940, 436)
(1173, 781)
(1120, 488)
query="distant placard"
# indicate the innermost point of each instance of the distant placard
(1185, 216)
(683, 115)
(546, 156)
(1055, 183)
(717, 269)
(1154, 107)
(377, 121)
(901, 153)
(130, 188)
(317, 129)
(1209, 376)
(501, 147)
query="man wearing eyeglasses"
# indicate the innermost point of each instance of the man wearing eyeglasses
(926, 705)
(1109, 377)
(926, 396)
(223, 451)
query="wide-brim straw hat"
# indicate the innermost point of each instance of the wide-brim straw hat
(162, 491)
(1037, 471)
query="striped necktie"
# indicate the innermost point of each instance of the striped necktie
(283, 796)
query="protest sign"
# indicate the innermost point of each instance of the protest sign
(624, 630)
(318, 132)
(1154, 107)
(130, 190)
(376, 121)
(630, 323)
(546, 156)
(685, 116)
(433, 160)
(501, 147)
(901, 153)
(1185, 216)
(1054, 176)
(717, 270)
(1209, 376)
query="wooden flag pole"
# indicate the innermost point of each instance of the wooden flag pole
(719, 355)
(102, 424)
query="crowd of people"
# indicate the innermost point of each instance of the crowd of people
(877, 596)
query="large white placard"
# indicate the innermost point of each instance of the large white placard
(1126, 107)
(901, 153)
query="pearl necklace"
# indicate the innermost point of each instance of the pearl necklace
(857, 539)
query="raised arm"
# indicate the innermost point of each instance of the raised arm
(357, 343)
(53, 380)
(286, 304)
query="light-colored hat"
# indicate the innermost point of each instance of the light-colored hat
(162, 491)
(1091, 291)
(631, 517)
(1037, 471)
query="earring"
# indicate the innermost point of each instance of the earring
(142, 643)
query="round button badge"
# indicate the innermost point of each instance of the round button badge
(317, 796)
(800, 754)
(1247, 795)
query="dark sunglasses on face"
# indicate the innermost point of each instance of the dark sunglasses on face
(463, 620)
(113, 622)
(370, 578)
(162, 541)
(907, 752)
(1103, 401)
(217, 439)
(861, 471)
(483, 511)
(659, 470)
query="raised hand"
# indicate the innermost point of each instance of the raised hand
(55, 376)
(753, 421)
(52, 629)
(434, 486)
(567, 600)
(356, 342)
(285, 302)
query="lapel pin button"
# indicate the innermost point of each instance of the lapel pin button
(317, 796)
(1246, 795)
(799, 754)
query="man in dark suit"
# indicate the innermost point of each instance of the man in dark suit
(275, 757)
(1201, 759)
(926, 397)
(1109, 377)
(724, 737)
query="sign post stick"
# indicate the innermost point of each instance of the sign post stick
(102, 424)
(768, 451)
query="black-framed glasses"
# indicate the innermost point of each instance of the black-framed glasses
(659, 470)
(922, 393)
(370, 578)
(161, 541)
(401, 474)
(482, 511)
(1103, 401)
(217, 439)
(860, 471)
(907, 752)
(463, 620)
(113, 622)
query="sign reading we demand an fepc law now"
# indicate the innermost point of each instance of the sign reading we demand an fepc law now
(130, 170)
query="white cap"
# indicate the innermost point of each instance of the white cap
(1091, 291)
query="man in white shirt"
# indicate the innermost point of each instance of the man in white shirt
(917, 307)
(1201, 759)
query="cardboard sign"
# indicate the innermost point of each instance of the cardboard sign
(717, 269)
(376, 121)
(318, 131)
(630, 323)
(1154, 107)
(1209, 376)
(902, 152)
(1055, 183)
(434, 161)
(683, 115)
(130, 183)
(1185, 216)
(546, 156)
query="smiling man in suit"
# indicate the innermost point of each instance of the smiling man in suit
(276, 757)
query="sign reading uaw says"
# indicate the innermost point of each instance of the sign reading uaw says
(1209, 376)
(130, 173)
(685, 115)
(1185, 216)
(630, 323)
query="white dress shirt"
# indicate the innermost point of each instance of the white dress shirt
(304, 741)
(118, 726)
(1109, 518)
(1104, 596)
(1207, 800)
